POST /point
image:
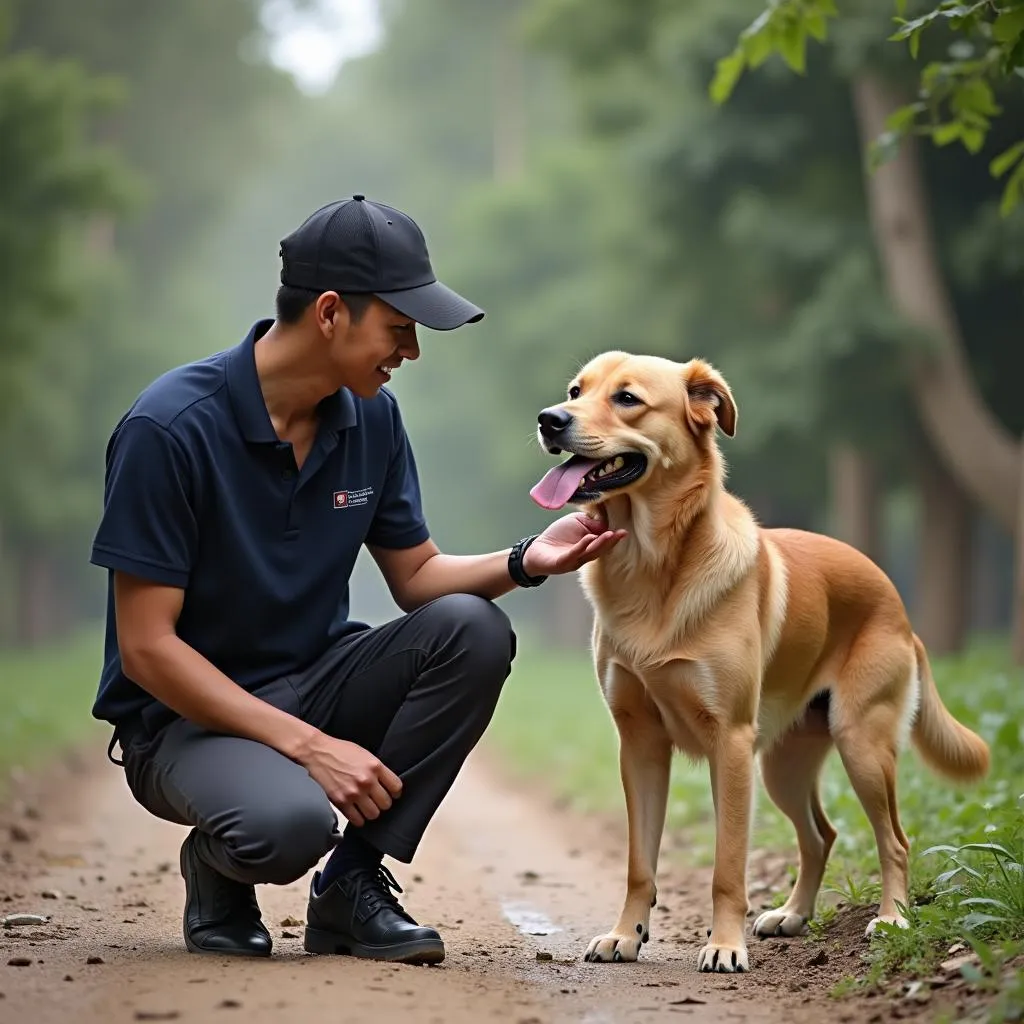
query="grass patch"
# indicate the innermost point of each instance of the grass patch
(45, 699)
(552, 725)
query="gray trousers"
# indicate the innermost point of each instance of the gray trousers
(418, 692)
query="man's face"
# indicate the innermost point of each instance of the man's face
(366, 352)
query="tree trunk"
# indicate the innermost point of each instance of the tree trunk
(1018, 588)
(942, 585)
(855, 500)
(976, 448)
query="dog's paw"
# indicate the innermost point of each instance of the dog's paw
(615, 947)
(896, 919)
(715, 959)
(779, 922)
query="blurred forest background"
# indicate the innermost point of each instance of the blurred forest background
(574, 178)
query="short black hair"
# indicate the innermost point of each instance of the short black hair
(292, 302)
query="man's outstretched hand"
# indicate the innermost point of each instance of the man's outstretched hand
(568, 543)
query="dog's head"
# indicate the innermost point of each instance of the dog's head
(627, 421)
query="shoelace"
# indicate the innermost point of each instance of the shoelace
(374, 887)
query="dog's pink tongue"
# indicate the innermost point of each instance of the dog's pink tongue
(560, 484)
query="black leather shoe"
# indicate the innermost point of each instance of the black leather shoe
(221, 916)
(359, 915)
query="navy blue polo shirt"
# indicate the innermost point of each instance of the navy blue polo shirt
(201, 494)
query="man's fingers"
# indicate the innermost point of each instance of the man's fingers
(380, 796)
(390, 781)
(369, 810)
(351, 813)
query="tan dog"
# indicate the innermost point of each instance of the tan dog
(729, 641)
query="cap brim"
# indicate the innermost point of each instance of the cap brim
(434, 305)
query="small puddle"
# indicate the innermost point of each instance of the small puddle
(528, 919)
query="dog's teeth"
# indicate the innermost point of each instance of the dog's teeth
(619, 462)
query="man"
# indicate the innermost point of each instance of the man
(247, 705)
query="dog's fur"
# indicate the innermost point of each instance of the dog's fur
(731, 642)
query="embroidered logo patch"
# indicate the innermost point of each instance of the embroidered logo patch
(343, 499)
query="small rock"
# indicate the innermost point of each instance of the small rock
(229, 1004)
(156, 1014)
(50, 894)
(291, 922)
(289, 935)
(820, 958)
(417, 878)
(544, 956)
(957, 947)
(954, 965)
(67, 977)
(17, 920)
(20, 834)
(19, 961)
(95, 960)
(529, 876)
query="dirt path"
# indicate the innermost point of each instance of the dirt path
(502, 876)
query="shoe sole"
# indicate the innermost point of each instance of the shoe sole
(189, 944)
(419, 951)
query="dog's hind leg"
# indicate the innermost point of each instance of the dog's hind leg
(790, 770)
(645, 757)
(869, 708)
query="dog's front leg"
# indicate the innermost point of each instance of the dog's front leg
(645, 756)
(732, 780)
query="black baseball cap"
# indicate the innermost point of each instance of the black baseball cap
(357, 245)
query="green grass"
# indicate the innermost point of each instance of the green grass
(552, 725)
(45, 699)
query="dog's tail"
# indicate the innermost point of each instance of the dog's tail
(946, 746)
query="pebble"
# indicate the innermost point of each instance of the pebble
(95, 960)
(544, 956)
(19, 961)
(16, 920)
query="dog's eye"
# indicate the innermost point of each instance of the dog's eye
(574, 391)
(626, 398)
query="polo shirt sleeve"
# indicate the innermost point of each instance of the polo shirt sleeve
(399, 521)
(148, 527)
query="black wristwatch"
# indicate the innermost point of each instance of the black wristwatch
(515, 564)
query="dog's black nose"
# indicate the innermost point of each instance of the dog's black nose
(553, 421)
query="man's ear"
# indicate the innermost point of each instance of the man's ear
(708, 398)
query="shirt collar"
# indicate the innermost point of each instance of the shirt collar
(337, 410)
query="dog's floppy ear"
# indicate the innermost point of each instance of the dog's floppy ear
(708, 398)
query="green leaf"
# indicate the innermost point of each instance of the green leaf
(974, 920)
(975, 95)
(817, 26)
(1009, 25)
(944, 134)
(998, 167)
(901, 119)
(758, 46)
(792, 43)
(727, 73)
(973, 139)
(1013, 191)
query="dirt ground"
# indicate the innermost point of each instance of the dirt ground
(516, 886)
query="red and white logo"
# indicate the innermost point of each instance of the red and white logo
(350, 499)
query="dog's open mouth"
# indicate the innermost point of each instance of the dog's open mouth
(581, 479)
